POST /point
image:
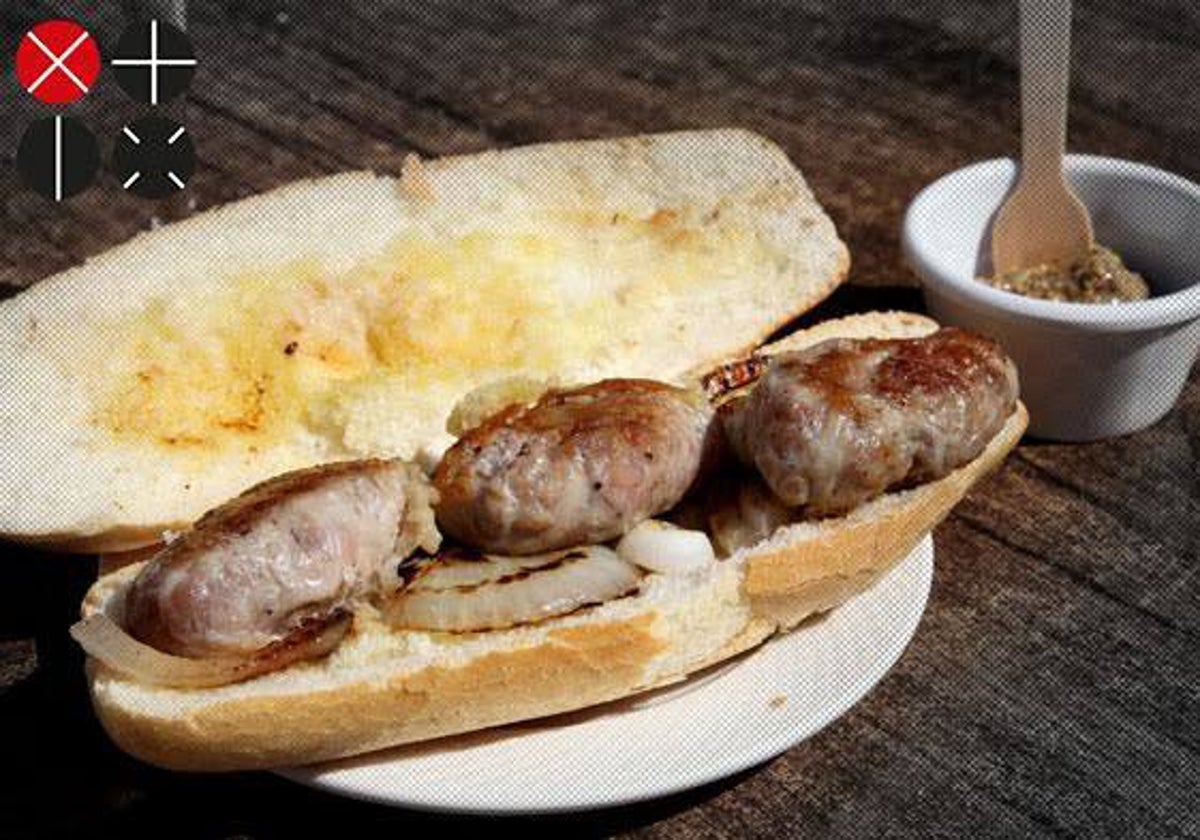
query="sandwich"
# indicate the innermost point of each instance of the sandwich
(491, 442)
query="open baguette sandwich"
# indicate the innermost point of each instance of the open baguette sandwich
(510, 447)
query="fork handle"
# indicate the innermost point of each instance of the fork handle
(1045, 77)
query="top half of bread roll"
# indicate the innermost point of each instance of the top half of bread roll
(344, 317)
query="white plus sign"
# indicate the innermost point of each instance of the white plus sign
(153, 62)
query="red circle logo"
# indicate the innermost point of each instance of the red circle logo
(57, 61)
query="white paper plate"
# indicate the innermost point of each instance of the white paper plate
(713, 725)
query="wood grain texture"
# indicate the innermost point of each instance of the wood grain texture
(1054, 686)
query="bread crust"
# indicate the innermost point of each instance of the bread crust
(576, 668)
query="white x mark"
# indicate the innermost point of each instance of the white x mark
(57, 61)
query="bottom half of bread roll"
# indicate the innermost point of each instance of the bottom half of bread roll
(384, 686)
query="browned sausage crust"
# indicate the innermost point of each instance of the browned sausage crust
(836, 424)
(580, 466)
(282, 554)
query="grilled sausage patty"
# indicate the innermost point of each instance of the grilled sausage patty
(834, 425)
(580, 466)
(290, 550)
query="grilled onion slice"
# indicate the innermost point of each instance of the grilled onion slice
(462, 595)
(105, 640)
(659, 546)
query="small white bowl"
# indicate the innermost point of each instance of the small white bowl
(1088, 371)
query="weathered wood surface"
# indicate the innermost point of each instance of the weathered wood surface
(1054, 685)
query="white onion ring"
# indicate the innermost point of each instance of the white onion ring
(665, 548)
(462, 595)
(105, 640)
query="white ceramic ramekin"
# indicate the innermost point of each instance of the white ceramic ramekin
(1088, 371)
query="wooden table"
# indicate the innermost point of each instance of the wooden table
(1054, 685)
